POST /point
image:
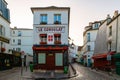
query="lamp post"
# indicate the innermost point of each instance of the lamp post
(22, 57)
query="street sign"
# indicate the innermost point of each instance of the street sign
(108, 57)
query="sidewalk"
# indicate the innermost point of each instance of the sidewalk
(51, 74)
(16, 74)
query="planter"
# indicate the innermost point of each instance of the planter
(57, 42)
(43, 42)
(57, 22)
(43, 23)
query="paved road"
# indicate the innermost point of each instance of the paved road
(86, 73)
(15, 74)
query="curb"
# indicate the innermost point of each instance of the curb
(75, 75)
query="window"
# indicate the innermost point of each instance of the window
(110, 31)
(14, 49)
(57, 18)
(19, 33)
(96, 25)
(88, 47)
(59, 59)
(13, 40)
(13, 32)
(43, 18)
(109, 46)
(57, 38)
(0, 30)
(41, 58)
(19, 41)
(88, 37)
(43, 38)
(18, 49)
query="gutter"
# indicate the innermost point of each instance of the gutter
(116, 34)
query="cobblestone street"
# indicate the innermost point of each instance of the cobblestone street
(84, 73)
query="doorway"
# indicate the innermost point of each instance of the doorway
(50, 61)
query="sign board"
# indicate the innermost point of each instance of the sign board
(4, 39)
(50, 29)
(108, 57)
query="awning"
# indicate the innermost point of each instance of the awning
(4, 39)
(46, 48)
(103, 55)
(117, 55)
(43, 35)
(57, 34)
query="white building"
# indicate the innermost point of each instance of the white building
(107, 46)
(4, 27)
(89, 37)
(22, 40)
(51, 31)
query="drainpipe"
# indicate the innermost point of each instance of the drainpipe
(116, 34)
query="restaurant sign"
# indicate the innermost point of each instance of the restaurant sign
(50, 29)
(4, 39)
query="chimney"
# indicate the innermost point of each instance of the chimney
(108, 18)
(116, 13)
(90, 23)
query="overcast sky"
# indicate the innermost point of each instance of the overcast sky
(81, 13)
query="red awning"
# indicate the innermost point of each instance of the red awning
(43, 35)
(50, 48)
(103, 55)
(57, 34)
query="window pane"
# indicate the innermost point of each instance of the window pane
(59, 59)
(41, 58)
(43, 18)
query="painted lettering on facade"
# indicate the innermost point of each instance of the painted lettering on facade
(50, 29)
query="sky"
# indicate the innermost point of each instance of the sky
(81, 13)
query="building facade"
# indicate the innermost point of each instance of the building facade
(22, 40)
(51, 31)
(107, 48)
(89, 36)
(4, 27)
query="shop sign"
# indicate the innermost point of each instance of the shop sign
(50, 29)
(4, 39)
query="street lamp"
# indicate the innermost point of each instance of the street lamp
(22, 57)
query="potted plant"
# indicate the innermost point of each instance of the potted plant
(57, 22)
(3, 49)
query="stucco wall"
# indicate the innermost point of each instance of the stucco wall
(101, 40)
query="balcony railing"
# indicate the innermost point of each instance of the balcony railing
(57, 22)
(57, 42)
(43, 23)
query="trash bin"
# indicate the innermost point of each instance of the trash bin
(118, 68)
(31, 67)
(65, 69)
